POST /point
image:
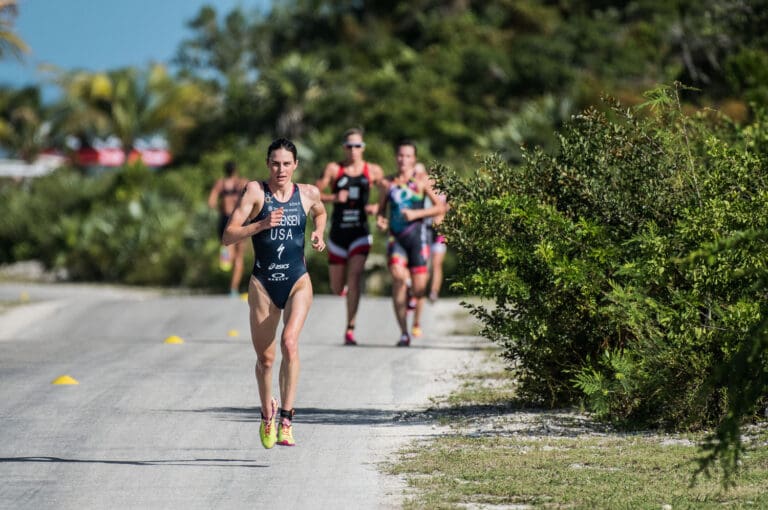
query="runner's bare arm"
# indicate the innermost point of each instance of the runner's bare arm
(446, 205)
(213, 196)
(326, 182)
(317, 213)
(381, 208)
(250, 202)
(377, 174)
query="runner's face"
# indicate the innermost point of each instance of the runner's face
(406, 158)
(281, 166)
(354, 147)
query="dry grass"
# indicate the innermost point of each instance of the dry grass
(494, 453)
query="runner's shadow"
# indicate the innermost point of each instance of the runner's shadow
(179, 462)
(437, 347)
(315, 415)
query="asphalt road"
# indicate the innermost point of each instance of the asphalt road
(153, 425)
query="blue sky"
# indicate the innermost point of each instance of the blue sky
(97, 35)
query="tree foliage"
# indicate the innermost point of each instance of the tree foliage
(606, 266)
(10, 42)
(23, 126)
(132, 226)
(455, 76)
(130, 104)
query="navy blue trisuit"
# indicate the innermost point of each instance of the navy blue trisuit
(279, 251)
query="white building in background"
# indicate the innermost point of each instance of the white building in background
(20, 169)
(100, 154)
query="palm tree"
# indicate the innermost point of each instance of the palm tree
(292, 84)
(23, 129)
(10, 43)
(130, 104)
(220, 48)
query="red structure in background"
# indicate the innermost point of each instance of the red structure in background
(110, 156)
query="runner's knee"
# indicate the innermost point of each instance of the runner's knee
(354, 278)
(265, 361)
(290, 346)
(399, 274)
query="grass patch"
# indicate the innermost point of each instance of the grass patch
(564, 472)
(495, 453)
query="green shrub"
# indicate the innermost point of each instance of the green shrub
(589, 258)
(132, 225)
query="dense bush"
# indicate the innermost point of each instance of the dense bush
(131, 226)
(593, 260)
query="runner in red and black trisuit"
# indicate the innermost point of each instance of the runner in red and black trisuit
(349, 240)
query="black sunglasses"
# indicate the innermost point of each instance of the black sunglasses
(354, 145)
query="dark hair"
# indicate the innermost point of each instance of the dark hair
(282, 143)
(230, 167)
(406, 142)
(353, 131)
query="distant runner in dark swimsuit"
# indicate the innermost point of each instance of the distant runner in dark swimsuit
(350, 240)
(223, 195)
(274, 213)
(437, 253)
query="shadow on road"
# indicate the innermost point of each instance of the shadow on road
(316, 415)
(179, 462)
(415, 344)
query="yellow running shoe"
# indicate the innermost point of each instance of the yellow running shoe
(285, 434)
(416, 331)
(267, 430)
(285, 429)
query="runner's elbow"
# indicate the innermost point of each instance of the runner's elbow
(227, 238)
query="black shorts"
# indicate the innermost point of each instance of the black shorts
(409, 248)
(344, 243)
